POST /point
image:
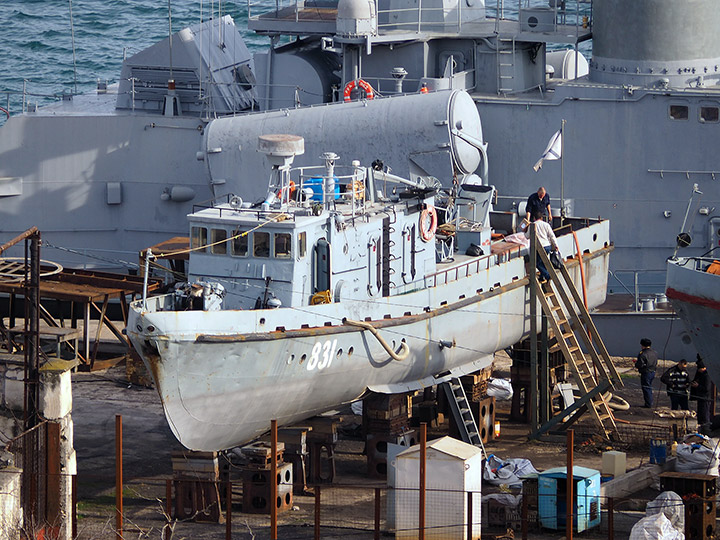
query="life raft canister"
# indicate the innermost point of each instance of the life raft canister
(428, 223)
(369, 92)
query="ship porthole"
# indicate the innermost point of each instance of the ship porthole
(595, 237)
(151, 328)
(291, 359)
(351, 350)
(302, 358)
(686, 339)
(339, 353)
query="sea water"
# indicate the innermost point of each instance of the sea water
(36, 49)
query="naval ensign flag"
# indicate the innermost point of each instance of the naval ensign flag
(553, 150)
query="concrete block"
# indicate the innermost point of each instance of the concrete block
(10, 425)
(14, 389)
(67, 430)
(10, 509)
(635, 480)
(614, 463)
(55, 394)
(70, 464)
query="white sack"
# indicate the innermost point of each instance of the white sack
(698, 458)
(670, 504)
(656, 527)
(500, 389)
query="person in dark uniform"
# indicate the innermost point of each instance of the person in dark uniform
(539, 201)
(700, 392)
(677, 380)
(646, 364)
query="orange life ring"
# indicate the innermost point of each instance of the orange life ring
(369, 92)
(428, 223)
(292, 191)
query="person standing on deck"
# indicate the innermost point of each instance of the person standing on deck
(677, 380)
(646, 364)
(547, 239)
(700, 391)
(538, 201)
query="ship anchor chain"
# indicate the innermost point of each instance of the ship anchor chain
(399, 356)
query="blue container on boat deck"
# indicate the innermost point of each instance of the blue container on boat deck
(316, 184)
(658, 451)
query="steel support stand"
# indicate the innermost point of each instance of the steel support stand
(545, 412)
(423, 463)
(273, 480)
(118, 477)
(569, 495)
(532, 400)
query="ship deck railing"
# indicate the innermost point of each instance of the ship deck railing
(571, 20)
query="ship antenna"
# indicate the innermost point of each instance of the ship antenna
(72, 39)
(170, 36)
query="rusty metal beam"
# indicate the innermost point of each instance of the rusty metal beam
(27, 234)
(53, 507)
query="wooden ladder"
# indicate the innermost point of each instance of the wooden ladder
(569, 319)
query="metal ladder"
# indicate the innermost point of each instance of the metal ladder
(505, 60)
(569, 319)
(462, 414)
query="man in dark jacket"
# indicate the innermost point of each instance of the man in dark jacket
(677, 380)
(700, 392)
(646, 364)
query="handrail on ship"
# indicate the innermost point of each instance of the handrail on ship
(580, 17)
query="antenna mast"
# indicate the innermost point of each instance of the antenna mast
(170, 37)
(72, 38)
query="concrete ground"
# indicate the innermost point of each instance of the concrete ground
(148, 441)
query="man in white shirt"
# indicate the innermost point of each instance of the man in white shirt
(547, 239)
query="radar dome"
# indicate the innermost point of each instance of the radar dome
(356, 18)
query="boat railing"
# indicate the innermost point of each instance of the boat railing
(474, 266)
(645, 286)
(261, 8)
(577, 13)
(423, 17)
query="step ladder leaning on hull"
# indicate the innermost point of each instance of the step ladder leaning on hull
(462, 414)
(569, 319)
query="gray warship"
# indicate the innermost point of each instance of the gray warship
(341, 281)
(638, 122)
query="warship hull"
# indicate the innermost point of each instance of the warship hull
(695, 295)
(223, 376)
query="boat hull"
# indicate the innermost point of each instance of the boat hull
(695, 295)
(223, 375)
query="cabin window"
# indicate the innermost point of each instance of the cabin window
(240, 243)
(199, 238)
(709, 114)
(283, 245)
(679, 112)
(218, 241)
(302, 244)
(261, 244)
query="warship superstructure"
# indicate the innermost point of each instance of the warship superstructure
(639, 122)
(333, 286)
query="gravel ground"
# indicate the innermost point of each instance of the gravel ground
(148, 442)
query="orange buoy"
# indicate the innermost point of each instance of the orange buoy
(369, 92)
(428, 223)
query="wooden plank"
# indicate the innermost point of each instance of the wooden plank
(590, 325)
